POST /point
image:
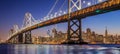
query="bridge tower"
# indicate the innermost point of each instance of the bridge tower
(28, 21)
(17, 38)
(74, 26)
(28, 38)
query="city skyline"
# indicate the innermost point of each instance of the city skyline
(12, 12)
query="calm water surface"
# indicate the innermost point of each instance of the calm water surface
(59, 49)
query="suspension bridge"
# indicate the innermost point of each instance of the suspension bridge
(76, 12)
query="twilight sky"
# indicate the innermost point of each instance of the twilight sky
(12, 12)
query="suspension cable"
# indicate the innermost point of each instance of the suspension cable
(55, 26)
(53, 7)
(62, 5)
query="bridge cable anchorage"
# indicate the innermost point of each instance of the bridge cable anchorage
(28, 20)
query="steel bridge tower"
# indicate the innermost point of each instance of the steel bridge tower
(28, 21)
(74, 26)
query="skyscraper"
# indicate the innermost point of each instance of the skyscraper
(88, 30)
(54, 32)
(106, 32)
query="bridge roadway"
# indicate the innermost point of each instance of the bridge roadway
(104, 7)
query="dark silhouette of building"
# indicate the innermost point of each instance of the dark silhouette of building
(106, 35)
(88, 32)
(106, 32)
(54, 32)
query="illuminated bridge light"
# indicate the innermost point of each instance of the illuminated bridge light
(98, 11)
(51, 16)
(55, 14)
(89, 3)
(60, 11)
(84, 2)
(100, 0)
(64, 12)
(59, 14)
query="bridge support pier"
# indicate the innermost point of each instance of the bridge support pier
(23, 38)
(15, 40)
(20, 38)
(74, 31)
(28, 39)
(74, 25)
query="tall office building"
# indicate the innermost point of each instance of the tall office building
(88, 32)
(54, 32)
(105, 36)
(106, 32)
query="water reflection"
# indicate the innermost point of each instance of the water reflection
(57, 49)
